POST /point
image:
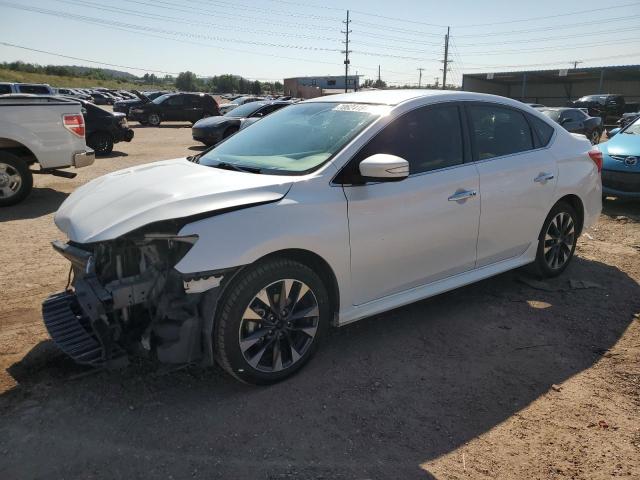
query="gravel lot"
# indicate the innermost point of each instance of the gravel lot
(507, 378)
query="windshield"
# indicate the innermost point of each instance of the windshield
(245, 110)
(161, 98)
(296, 139)
(634, 128)
(552, 114)
(593, 98)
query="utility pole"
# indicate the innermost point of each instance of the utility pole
(575, 63)
(346, 52)
(437, 79)
(420, 77)
(379, 78)
(446, 60)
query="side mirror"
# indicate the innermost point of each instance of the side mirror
(612, 132)
(383, 167)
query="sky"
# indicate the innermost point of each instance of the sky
(274, 39)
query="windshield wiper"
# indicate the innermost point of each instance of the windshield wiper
(236, 168)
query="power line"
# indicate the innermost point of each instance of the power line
(554, 27)
(546, 64)
(185, 21)
(619, 41)
(13, 45)
(548, 16)
(538, 39)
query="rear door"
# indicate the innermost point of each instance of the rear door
(517, 177)
(193, 107)
(416, 231)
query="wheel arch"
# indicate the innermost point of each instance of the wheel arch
(318, 265)
(577, 205)
(18, 149)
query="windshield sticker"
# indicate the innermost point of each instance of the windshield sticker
(361, 107)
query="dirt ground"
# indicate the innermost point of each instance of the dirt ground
(507, 378)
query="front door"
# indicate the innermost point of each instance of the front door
(421, 229)
(517, 178)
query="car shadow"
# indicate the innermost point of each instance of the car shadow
(41, 201)
(114, 154)
(162, 125)
(198, 148)
(616, 207)
(381, 398)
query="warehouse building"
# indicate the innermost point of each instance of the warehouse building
(311, 87)
(555, 88)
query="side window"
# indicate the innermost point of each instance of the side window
(176, 101)
(35, 89)
(5, 89)
(428, 138)
(499, 131)
(543, 131)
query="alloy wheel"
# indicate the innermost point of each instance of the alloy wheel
(279, 325)
(559, 240)
(10, 180)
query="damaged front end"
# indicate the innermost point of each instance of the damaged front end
(127, 298)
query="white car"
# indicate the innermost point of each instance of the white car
(325, 212)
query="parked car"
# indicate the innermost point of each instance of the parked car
(214, 129)
(101, 98)
(576, 120)
(104, 129)
(621, 162)
(70, 92)
(227, 107)
(124, 106)
(190, 107)
(27, 88)
(48, 131)
(535, 105)
(608, 107)
(322, 213)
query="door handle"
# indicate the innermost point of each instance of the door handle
(544, 177)
(462, 195)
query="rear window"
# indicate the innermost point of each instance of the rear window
(36, 89)
(5, 89)
(543, 131)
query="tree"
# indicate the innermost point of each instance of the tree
(187, 81)
(256, 87)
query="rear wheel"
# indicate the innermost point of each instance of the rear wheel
(557, 240)
(16, 180)
(271, 321)
(101, 143)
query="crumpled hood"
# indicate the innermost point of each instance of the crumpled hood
(122, 201)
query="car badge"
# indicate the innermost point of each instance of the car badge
(631, 161)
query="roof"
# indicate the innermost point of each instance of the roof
(396, 97)
(614, 72)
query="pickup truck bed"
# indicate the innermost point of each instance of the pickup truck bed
(47, 130)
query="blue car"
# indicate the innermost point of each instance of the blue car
(621, 162)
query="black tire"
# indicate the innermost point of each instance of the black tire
(154, 119)
(16, 180)
(101, 143)
(231, 322)
(565, 245)
(229, 131)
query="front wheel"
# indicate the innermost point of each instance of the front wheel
(153, 119)
(557, 240)
(16, 180)
(270, 321)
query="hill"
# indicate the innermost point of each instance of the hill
(71, 82)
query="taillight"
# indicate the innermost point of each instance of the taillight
(596, 156)
(74, 122)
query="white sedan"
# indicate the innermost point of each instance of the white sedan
(325, 212)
